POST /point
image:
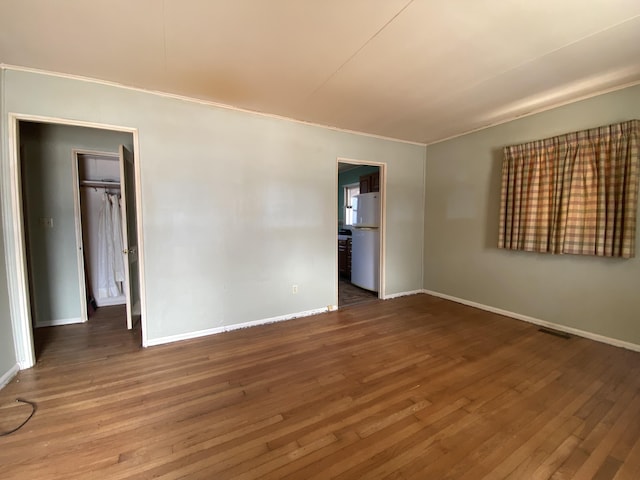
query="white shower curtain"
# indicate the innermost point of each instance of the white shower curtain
(110, 246)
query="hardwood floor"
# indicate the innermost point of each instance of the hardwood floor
(349, 294)
(410, 388)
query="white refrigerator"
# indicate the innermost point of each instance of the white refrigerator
(365, 241)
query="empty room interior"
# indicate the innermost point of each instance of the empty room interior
(319, 240)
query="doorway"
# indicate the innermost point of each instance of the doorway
(360, 219)
(106, 239)
(52, 287)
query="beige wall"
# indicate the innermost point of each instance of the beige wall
(462, 182)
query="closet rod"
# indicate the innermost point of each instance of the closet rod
(99, 184)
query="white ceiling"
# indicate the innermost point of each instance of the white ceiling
(420, 70)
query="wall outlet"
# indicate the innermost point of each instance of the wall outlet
(294, 289)
(46, 222)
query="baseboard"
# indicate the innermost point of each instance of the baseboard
(536, 321)
(59, 321)
(227, 328)
(110, 302)
(8, 376)
(25, 365)
(402, 294)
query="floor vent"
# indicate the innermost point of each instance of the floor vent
(557, 333)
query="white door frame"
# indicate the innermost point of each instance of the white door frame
(14, 238)
(383, 217)
(77, 206)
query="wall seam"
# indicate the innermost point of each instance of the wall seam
(424, 214)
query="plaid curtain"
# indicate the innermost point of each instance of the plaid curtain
(575, 193)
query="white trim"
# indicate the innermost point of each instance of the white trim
(336, 273)
(8, 375)
(201, 102)
(18, 68)
(403, 294)
(77, 217)
(237, 326)
(536, 321)
(382, 169)
(15, 253)
(73, 123)
(111, 301)
(137, 198)
(76, 152)
(59, 321)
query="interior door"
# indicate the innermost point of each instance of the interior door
(130, 235)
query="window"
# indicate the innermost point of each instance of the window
(575, 193)
(350, 191)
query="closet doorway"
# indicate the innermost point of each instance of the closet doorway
(106, 238)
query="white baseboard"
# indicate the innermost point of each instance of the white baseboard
(8, 375)
(543, 323)
(59, 321)
(109, 302)
(402, 294)
(227, 328)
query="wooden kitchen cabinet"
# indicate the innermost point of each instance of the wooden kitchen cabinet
(370, 183)
(344, 258)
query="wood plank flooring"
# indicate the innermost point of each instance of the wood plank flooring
(411, 388)
(349, 294)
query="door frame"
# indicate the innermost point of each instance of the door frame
(77, 206)
(383, 218)
(14, 234)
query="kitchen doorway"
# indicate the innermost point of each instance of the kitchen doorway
(360, 221)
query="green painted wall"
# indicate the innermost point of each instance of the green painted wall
(7, 348)
(598, 295)
(236, 207)
(347, 178)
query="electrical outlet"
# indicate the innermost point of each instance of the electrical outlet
(294, 289)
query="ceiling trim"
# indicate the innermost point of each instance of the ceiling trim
(540, 110)
(5, 66)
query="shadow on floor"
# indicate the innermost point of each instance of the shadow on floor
(105, 331)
